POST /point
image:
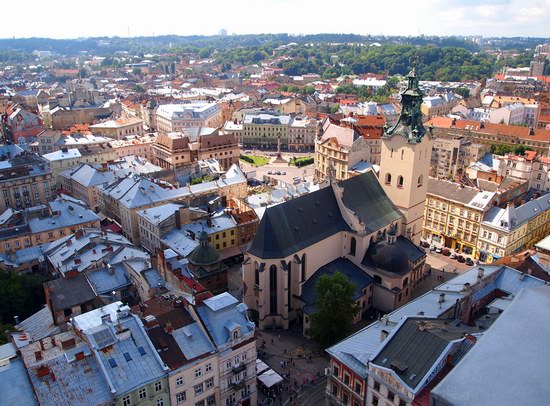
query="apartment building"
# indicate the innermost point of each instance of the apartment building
(122, 199)
(505, 231)
(177, 117)
(453, 215)
(134, 145)
(302, 134)
(130, 362)
(119, 128)
(82, 182)
(452, 156)
(45, 223)
(25, 181)
(64, 159)
(233, 334)
(263, 130)
(51, 140)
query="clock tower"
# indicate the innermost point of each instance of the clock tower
(405, 161)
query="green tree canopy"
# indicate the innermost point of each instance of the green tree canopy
(20, 295)
(335, 309)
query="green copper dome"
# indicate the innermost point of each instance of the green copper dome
(204, 254)
(409, 124)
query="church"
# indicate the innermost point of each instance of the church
(366, 227)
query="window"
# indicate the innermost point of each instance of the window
(353, 246)
(228, 364)
(208, 368)
(377, 387)
(243, 356)
(201, 403)
(211, 400)
(209, 383)
(346, 378)
(126, 401)
(358, 387)
(400, 181)
(391, 396)
(158, 386)
(198, 389)
(374, 400)
(420, 181)
(142, 393)
(179, 381)
(160, 402)
(402, 402)
(335, 371)
(198, 373)
(388, 179)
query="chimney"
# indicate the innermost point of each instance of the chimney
(480, 273)
(106, 318)
(168, 328)
(79, 356)
(441, 299)
(42, 345)
(522, 276)
(150, 322)
(530, 271)
(384, 319)
(38, 355)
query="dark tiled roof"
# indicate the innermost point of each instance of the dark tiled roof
(343, 265)
(66, 293)
(416, 346)
(364, 195)
(294, 225)
(393, 258)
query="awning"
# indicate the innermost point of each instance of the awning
(261, 366)
(270, 378)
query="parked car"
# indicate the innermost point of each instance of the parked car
(425, 244)
(270, 172)
(432, 247)
(278, 173)
(446, 252)
(438, 250)
(469, 262)
(453, 255)
(283, 173)
(461, 259)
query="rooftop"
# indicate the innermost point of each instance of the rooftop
(508, 357)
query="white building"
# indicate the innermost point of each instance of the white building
(176, 117)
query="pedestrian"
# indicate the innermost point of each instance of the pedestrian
(285, 350)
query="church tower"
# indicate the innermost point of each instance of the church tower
(405, 161)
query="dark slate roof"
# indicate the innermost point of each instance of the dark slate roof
(413, 350)
(364, 195)
(298, 223)
(65, 293)
(343, 265)
(393, 258)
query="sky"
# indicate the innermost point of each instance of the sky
(71, 19)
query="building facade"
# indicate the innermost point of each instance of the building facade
(177, 117)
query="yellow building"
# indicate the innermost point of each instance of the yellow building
(512, 229)
(453, 215)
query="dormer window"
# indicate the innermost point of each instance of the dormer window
(235, 334)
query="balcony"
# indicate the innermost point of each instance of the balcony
(237, 384)
(238, 367)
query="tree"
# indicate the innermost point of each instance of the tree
(335, 309)
(20, 295)
(139, 89)
(137, 71)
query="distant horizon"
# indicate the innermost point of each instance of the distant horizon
(268, 33)
(130, 19)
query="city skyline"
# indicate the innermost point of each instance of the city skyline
(489, 18)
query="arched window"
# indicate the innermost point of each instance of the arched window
(420, 180)
(405, 282)
(402, 153)
(400, 181)
(391, 153)
(273, 289)
(303, 270)
(353, 246)
(256, 273)
(388, 178)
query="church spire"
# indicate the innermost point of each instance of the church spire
(409, 125)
